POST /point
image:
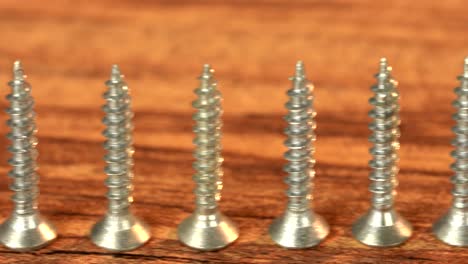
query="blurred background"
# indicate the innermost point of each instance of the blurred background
(67, 49)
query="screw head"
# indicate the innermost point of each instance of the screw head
(382, 228)
(120, 232)
(207, 232)
(299, 229)
(26, 232)
(452, 228)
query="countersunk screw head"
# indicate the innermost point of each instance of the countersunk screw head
(120, 232)
(382, 228)
(207, 231)
(27, 232)
(299, 229)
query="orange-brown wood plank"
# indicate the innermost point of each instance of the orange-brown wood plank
(67, 48)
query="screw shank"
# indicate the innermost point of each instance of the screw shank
(23, 148)
(208, 159)
(300, 137)
(118, 144)
(384, 139)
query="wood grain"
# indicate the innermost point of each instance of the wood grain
(67, 48)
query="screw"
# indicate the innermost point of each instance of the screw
(207, 228)
(382, 226)
(299, 226)
(452, 228)
(25, 229)
(119, 230)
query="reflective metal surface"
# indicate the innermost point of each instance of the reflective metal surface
(299, 226)
(27, 232)
(382, 229)
(207, 228)
(381, 226)
(25, 229)
(119, 230)
(299, 229)
(207, 231)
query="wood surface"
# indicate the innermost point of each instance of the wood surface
(67, 48)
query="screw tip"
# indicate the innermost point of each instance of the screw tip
(300, 69)
(207, 71)
(206, 68)
(18, 73)
(299, 64)
(465, 68)
(383, 65)
(17, 65)
(115, 73)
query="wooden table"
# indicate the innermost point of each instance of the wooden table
(67, 48)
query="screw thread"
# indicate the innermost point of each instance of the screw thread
(385, 134)
(300, 137)
(208, 159)
(460, 154)
(23, 144)
(119, 143)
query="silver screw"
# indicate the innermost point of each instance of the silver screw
(25, 229)
(299, 226)
(119, 230)
(382, 226)
(452, 228)
(207, 228)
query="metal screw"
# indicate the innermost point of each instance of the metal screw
(299, 226)
(25, 229)
(207, 228)
(382, 226)
(452, 228)
(119, 230)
